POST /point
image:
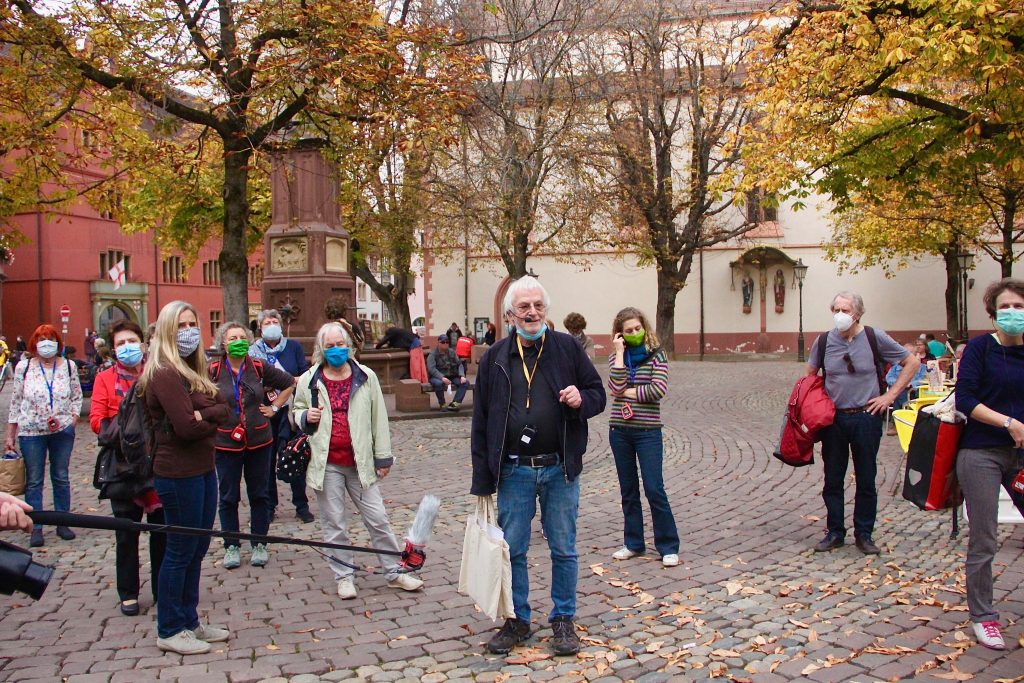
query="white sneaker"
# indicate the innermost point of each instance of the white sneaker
(346, 588)
(260, 556)
(670, 560)
(624, 554)
(183, 643)
(232, 557)
(987, 633)
(211, 633)
(406, 582)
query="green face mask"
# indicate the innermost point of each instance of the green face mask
(238, 348)
(635, 339)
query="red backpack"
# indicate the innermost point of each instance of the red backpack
(808, 411)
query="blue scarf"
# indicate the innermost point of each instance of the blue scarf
(261, 351)
(635, 356)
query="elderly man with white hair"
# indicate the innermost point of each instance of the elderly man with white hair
(852, 358)
(535, 391)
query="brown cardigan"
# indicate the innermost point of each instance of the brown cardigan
(184, 446)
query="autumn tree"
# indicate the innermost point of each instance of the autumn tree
(239, 72)
(899, 105)
(388, 193)
(673, 102)
(517, 183)
(53, 131)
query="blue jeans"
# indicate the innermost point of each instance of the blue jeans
(518, 490)
(460, 389)
(254, 463)
(630, 446)
(859, 434)
(191, 501)
(34, 450)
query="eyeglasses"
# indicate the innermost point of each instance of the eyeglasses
(525, 308)
(849, 363)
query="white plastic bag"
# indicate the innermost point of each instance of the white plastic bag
(486, 572)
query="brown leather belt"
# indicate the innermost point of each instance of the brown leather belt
(851, 411)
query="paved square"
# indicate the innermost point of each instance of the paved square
(750, 601)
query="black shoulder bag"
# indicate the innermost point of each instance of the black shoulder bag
(293, 459)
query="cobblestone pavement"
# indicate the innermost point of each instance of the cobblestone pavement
(749, 602)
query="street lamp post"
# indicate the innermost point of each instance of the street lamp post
(965, 260)
(800, 272)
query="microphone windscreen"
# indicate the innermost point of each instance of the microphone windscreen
(423, 523)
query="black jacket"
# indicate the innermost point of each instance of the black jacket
(493, 394)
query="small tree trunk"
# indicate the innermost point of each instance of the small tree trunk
(234, 262)
(952, 292)
(1009, 216)
(666, 312)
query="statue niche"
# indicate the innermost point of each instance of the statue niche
(780, 291)
(748, 292)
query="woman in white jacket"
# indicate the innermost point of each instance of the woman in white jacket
(350, 451)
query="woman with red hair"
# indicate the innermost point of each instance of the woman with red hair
(45, 406)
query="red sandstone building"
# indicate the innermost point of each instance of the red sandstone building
(66, 262)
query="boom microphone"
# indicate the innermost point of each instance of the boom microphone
(414, 553)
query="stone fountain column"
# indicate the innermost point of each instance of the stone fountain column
(306, 248)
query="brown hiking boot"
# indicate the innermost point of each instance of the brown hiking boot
(514, 631)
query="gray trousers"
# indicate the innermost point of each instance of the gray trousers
(334, 519)
(981, 472)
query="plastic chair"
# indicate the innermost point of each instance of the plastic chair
(904, 419)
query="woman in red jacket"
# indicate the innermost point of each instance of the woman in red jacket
(132, 498)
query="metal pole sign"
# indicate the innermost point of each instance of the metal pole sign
(65, 316)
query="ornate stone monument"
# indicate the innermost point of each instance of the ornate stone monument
(306, 248)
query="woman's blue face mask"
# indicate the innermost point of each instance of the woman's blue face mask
(1010, 321)
(336, 356)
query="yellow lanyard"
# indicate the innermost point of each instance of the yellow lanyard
(529, 375)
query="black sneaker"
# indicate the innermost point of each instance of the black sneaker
(565, 642)
(65, 533)
(514, 631)
(867, 546)
(305, 515)
(37, 538)
(830, 542)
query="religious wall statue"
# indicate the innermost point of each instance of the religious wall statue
(780, 291)
(748, 292)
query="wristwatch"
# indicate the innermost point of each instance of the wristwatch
(1006, 425)
(274, 408)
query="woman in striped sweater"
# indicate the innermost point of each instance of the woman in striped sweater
(637, 380)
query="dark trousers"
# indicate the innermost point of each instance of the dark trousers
(643, 447)
(252, 463)
(856, 434)
(282, 430)
(127, 550)
(190, 501)
(460, 389)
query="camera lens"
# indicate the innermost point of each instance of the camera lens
(37, 578)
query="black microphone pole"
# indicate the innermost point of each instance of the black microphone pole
(52, 518)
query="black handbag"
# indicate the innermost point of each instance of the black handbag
(293, 459)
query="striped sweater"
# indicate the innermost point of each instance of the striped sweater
(651, 383)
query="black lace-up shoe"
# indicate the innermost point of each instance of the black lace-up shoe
(514, 631)
(830, 542)
(867, 546)
(565, 642)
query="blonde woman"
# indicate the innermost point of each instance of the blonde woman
(350, 452)
(186, 408)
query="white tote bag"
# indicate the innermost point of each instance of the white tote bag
(486, 573)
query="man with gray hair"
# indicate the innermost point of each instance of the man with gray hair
(852, 358)
(534, 393)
